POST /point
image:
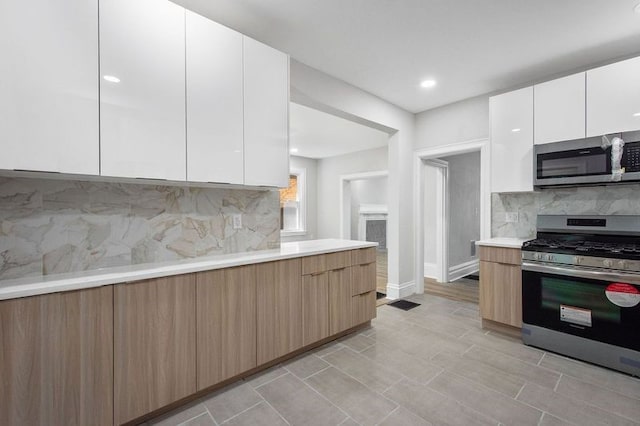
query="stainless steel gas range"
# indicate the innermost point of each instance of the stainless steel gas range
(581, 289)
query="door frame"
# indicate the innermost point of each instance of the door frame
(442, 215)
(420, 156)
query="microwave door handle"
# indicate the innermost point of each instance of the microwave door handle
(578, 272)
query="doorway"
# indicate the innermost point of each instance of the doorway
(364, 214)
(453, 256)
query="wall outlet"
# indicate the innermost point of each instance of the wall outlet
(237, 221)
(511, 217)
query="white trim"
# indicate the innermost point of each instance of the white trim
(442, 223)
(463, 269)
(398, 291)
(345, 198)
(368, 212)
(430, 270)
(481, 145)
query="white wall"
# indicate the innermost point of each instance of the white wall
(430, 194)
(366, 191)
(458, 122)
(311, 167)
(313, 88)
(329, 172)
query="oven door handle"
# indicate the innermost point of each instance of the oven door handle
(576, 271)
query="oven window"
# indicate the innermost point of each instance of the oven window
(557, 292)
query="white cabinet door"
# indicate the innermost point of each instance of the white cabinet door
(49, 86)
(613, 98)
(142, 115)
(512, 141)
(559, 109)
(266, 115)
(214, 102)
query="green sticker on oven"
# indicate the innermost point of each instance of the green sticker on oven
(622, 294)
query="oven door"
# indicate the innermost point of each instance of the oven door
(593, 304)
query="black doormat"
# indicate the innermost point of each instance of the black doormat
(405, 305)
(380, 295)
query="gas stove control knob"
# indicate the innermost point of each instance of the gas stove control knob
(577, 260)
(607, 262)
(550, 258)
(622, 264)
(537, 256)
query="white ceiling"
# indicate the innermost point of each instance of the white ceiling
(470, 47)
(316, 134)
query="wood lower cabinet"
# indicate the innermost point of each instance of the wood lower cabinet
(501, 285)
(226, 331)
(154, 344)
(56, 359)
(340, 300)
(315, 307)
(363, 307)
(279, 309)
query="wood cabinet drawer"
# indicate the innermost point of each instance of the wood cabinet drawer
(363, 278)
(338, 260)
(314, 264)
(362, 256)
(363, 307)
(512, 256)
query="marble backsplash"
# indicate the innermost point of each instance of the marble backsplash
(587, 200)
(56, 226)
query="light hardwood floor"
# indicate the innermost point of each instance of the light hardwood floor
(464, 289)
(381, 271)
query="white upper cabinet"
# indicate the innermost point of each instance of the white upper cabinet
(559, 109)
(142, 108)
(214, 102)
(49, 86)
(266, 115)
(512, 141)
(613, 98)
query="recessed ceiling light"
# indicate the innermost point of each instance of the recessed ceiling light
(428, 83)
(293, 150)
(637, 114)
(515, 130)
(112, 78)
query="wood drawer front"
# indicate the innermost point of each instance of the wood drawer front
(338, 260)
(314, 264)
(511, 256)
(363, 278)
(363, 308)
(362, 256)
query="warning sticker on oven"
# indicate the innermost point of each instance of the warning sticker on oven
(623, 295)
(575, 315)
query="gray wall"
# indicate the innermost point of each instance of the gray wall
(311, 167)
(366, 191)
(329, 172)
(56, 226)
(464, 206)
(593, 200)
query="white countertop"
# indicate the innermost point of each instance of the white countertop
(503, 242)
(31, 286)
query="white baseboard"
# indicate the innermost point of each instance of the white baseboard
(463, 269)
(398, 291)
(431, 270)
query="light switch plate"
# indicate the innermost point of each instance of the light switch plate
(511, 217)
(237, 221)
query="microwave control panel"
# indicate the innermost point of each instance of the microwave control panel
(631, 157)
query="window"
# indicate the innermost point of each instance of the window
(292, 205)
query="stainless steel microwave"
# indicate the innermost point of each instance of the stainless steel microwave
(584, 161)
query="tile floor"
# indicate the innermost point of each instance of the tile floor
(430, 365)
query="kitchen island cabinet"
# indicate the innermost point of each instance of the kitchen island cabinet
(56, 359)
